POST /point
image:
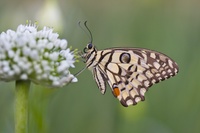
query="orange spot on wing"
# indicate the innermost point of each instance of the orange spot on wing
(116, 91)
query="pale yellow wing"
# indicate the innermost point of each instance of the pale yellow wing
(131, 71)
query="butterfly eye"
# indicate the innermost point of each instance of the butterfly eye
(89, 45)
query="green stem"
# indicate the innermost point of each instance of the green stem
(21, 106)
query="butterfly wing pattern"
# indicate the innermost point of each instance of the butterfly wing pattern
(128, 71)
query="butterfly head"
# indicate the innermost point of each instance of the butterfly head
(88, 48)
(89, 51)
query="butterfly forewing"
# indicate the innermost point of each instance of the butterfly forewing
(130, 71)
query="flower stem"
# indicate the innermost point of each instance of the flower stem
(21, 106)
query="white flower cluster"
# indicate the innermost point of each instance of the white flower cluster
(36, 55)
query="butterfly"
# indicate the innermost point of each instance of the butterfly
(128, 71)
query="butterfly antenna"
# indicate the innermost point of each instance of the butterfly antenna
(90, 33)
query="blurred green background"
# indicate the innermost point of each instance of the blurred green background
(171, 27)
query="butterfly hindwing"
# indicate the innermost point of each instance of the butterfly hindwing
(130, 72)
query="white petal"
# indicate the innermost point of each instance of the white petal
(74, 79)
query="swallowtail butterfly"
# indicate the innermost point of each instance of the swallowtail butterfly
(128, 71)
